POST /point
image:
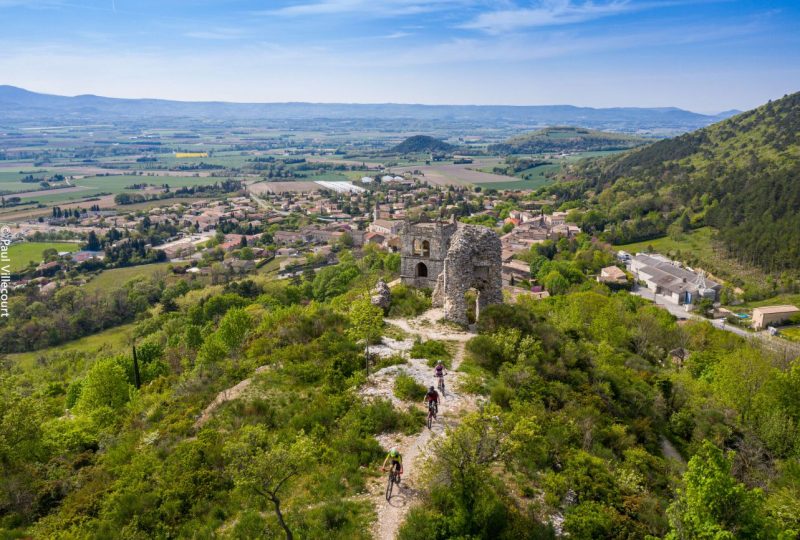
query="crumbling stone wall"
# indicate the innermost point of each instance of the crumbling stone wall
(474, 261)
(456, 258)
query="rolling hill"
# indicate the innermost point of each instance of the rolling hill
(741, 175)
(567, 139)
(422, 143)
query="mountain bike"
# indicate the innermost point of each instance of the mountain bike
(431, 413)
(441, 384)
(394, 478)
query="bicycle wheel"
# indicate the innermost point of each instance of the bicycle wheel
(441, 385)
(430, 419)
(389, 485)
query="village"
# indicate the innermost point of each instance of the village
(295, 231)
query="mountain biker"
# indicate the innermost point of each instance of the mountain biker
(433, 397)
(397, 462)
(439, 370)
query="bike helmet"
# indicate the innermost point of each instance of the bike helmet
(393, 452)
(439, 363)
(431, 389)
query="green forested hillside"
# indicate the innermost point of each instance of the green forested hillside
(566, 139)
(422, 143)
(741, 176)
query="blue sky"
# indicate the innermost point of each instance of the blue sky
(705, 56)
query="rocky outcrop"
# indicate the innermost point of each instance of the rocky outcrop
(381, 295)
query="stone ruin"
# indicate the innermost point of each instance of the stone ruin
(381, 295)
(452, 258)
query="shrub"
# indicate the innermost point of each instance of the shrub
(105, 385)
(499, 316)
(432, 350)
(394, 360)
(407, 388)
(380, 416)
(409, 302)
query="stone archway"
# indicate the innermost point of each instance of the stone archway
(422, 270)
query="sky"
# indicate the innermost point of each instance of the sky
(702, 55)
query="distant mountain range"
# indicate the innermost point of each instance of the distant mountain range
(19, 106)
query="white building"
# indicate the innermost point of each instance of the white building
(675, 284)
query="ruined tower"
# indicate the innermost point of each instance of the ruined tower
(452, 258)
(424, 248)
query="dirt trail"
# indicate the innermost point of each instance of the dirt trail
(414, 448)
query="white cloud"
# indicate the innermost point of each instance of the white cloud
(365, 8)
(549, 13)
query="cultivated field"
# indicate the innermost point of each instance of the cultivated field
(448, 174)
(281, 187)
(23, 254)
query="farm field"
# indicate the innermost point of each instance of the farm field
(23, 254)
(521, 184)
(96, 185)
(449, 174)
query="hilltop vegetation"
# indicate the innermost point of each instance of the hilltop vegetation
(422, 143)
(739, 175)
(88, 452)
(582, 412)
(581, 404)
(566, 139)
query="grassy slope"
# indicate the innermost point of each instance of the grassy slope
(117, 276)
(109, 341)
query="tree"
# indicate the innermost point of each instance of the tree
(234, 327)
(68, 297)
(366, 321)
(740, 376)
(464, 458)
(713, 504)
(261, 464)
(92, 242)
(105, 385)
(555, 283)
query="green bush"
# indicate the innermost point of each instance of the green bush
(409, 302)
(394, 360)
(381, 416)
(432, 350)
(407, 388)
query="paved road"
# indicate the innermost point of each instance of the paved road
(681, 313)
(776, 344)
